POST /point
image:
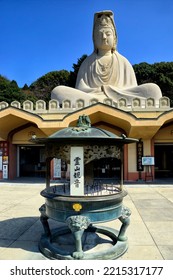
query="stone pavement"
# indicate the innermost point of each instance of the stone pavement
(150, 232)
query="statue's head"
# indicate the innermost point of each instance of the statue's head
(104, 21)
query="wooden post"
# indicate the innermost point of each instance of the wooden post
(122, 167)
(48, 160)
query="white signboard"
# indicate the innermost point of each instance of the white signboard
(77, 171)
(5, 171)
(57, 168)
(148, 160)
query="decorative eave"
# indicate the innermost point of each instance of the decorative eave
(133, 126)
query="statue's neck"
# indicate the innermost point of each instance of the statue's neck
(104, 53)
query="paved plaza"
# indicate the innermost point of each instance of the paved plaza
(149, 234)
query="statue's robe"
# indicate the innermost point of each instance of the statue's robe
(118, 81)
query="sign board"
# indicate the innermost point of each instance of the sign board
(5, 171)
(3, 154)
(139, 151)
(77, 171)
(57, 168)
(148, 160)
(5, 159)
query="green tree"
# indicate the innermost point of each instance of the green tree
(25, 87)
(9, 91)
(3, 84)
(159, 73)
(43, 86)
(144, 72)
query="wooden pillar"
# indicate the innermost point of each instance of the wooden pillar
(122, 167)
(48, 177)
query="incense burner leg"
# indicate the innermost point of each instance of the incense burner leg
(44, 220)
(77, 225)
(125, 220)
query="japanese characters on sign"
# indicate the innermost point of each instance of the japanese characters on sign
(76, 171)
(139, 149)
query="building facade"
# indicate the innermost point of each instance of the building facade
(147, 121)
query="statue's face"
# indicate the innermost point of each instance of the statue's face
(104, 38)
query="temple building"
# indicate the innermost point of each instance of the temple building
(147, 121)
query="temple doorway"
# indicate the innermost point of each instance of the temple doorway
(163, 160)
(32, 161)
(107, 168)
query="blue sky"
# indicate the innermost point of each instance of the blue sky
(39, 36)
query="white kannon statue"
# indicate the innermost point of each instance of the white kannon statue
(105, 73)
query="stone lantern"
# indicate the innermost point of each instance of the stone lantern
(81, 203)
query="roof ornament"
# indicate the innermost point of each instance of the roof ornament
(83, 123)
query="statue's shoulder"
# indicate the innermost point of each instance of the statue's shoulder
(89, 59)
(122, 59)
(86, 64)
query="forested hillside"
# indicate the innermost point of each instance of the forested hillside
(159, 73)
